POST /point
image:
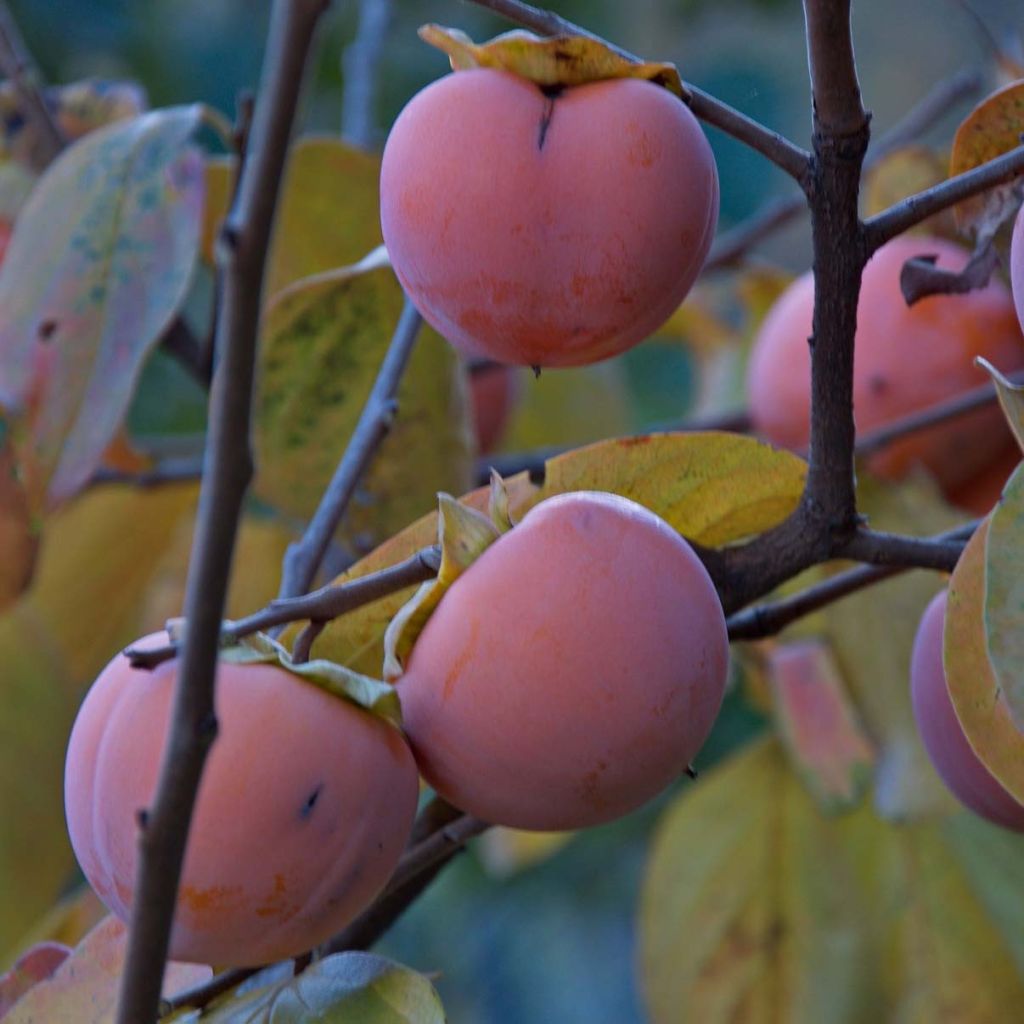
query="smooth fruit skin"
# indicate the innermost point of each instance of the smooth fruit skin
(943, 737)
(493, 394)
(572, 672)
(905, 358)
(1017, 266)
(542, 230)
(305, 806)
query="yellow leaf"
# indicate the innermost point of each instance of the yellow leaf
(980, 705)
(220, 176)
(993, 128)
(549, 62)
(507, 851)
(758, 908)
(905, 172)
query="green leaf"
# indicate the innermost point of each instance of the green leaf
(99, 262)
(322, 346)
(83, 990)
(1004, 595)
(714, 488)
(757, 907)
(1011, 399)
(818, 723)
(348, 988)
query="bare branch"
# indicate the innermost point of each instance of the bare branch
(894, 549)
(885, 226)
(769, 619)
(771, 145)
(245, 239)
(359, 65)
(19, 68)
(303, 559)
(730, 248)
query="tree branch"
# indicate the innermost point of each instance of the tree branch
(19, 68)
(359, 64)
(769, 619)
(885, 226)
(302, 560)
(245, 236)
(780, 151)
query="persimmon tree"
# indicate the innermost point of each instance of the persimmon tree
(334, 407)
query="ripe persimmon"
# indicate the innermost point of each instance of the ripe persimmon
(1017, 266)
(572, 672)
(304, 808)
(546, 228)
(949, 749)
(905, 359)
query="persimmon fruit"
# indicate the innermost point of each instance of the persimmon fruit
(1017, 265)
(905, 359)
(493, 395)
(572, 672)
(960, 768)
(305, 806)
(549, 228)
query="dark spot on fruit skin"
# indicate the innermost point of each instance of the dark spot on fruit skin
(47, 329)
(545, 120)
(307, 808)
(878, 385)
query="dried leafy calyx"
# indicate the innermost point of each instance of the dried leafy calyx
(372, 695)
(552, 63)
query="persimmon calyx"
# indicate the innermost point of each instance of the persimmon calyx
(373, 695)
(557, 61)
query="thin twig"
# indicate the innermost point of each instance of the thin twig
(302, 560)
(321, 606)
(771, 145)
(168, 471)
(19, 68)
(359, 64)
(769, 619)
(163, 831)
(885, 226)
(952, 408)
(731, 247)
(877, 548)
(200, 995)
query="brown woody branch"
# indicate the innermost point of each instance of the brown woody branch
(302, 560)
(771, 145)
(245, 237)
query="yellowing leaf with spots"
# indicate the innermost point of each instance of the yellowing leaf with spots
(905, 172)
(550, 62)
(99, 262)
(980, 705)
(321, 348)
(756, 907)
(993, 128)
(714, 488)
(220, 176)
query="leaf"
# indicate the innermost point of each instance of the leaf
(505, 852)
(329, 211)
(100, 260)
(220, 176)
(757, 907)
(34, 965)
(68, 921)
(993, 128)
(463, 535)
(714, 488)
(19, 529)
(1004, 596)
(322, 345)
(872, 634)
(83, 990)
(979, 703)
(554, 61)
(818, 723)
(348, 988)
(1011, 399)
(902, 173)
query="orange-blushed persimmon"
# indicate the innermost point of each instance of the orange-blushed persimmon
(964, 774)
(572, 672)
(1017, 265)
(304, 808)
(905, 359)
(546, 228)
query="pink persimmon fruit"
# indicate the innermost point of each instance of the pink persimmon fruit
(958, 765)
(546, 228)
(305, 806)
(905, 359)
(572, 672)
(1017, 265)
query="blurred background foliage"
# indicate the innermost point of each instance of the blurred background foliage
(554, 940)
